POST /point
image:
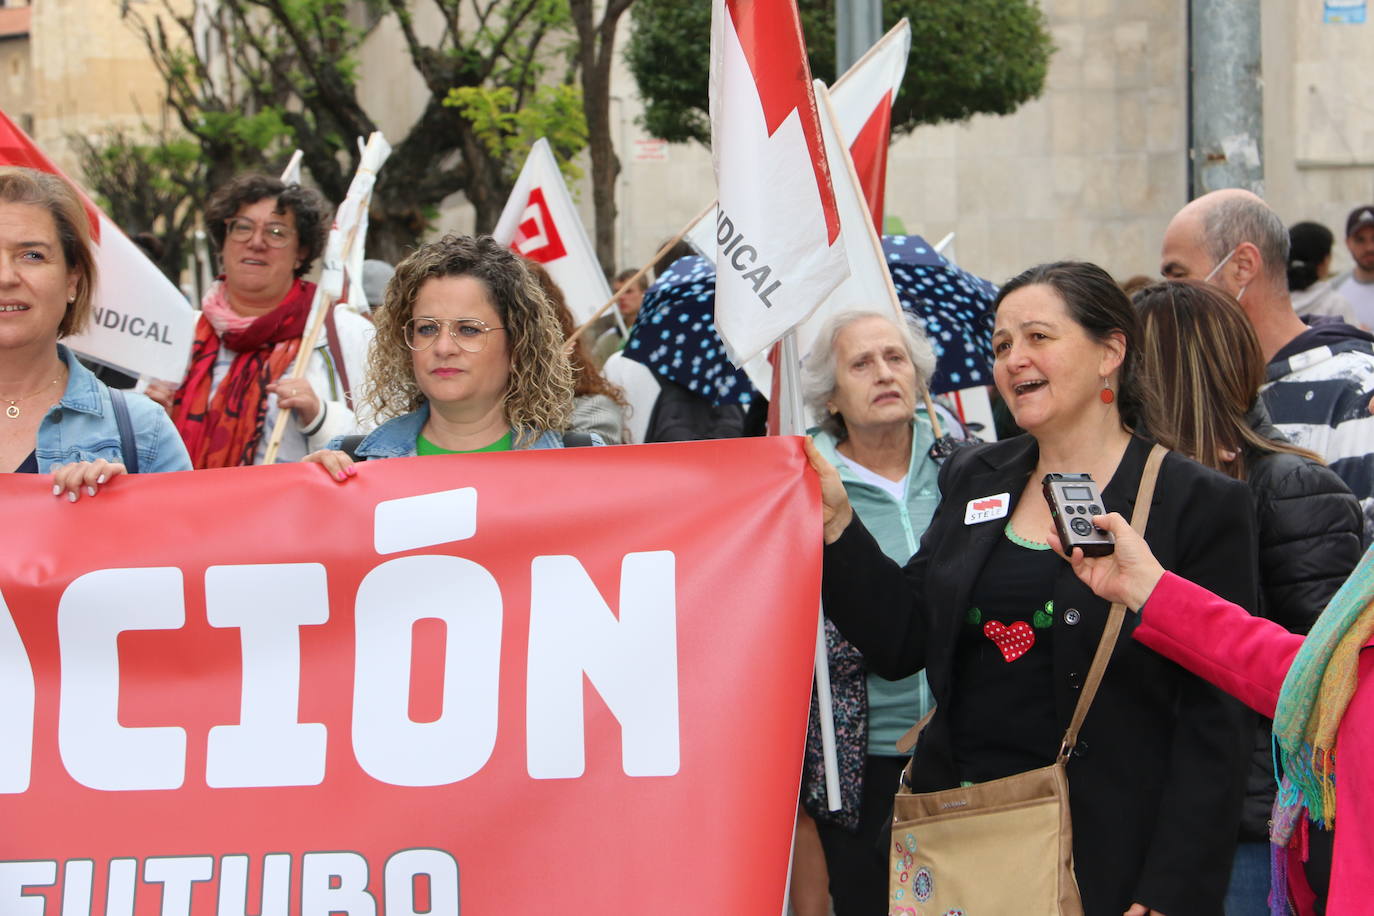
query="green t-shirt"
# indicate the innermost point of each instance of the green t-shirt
(424, 447)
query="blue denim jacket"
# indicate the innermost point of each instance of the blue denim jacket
(396, 438)
(81, 427)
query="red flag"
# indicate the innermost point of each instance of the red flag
(863, 106)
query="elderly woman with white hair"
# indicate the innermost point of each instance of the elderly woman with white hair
(864, 381)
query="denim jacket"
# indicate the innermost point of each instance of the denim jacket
(81, 427)
(396, 438)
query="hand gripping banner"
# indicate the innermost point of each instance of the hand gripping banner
(565, 682)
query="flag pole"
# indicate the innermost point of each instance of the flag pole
(666, 247)
(324, 301)
(790, 416)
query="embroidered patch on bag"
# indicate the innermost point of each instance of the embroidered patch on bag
(923, 885)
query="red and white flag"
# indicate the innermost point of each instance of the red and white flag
(869, 284)
(141, 323)
(779, 247)
(863, 107)
(541, 223)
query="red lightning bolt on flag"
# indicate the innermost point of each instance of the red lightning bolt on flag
(771, 35)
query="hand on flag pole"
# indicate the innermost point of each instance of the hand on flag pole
(349, 230)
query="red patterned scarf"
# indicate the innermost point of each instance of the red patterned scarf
(223, 430)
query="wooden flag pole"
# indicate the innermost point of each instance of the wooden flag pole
(667, 246)
(323, 303)
(791, 423)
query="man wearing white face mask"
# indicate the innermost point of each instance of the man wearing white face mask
(1318, 382)
(1319, 379)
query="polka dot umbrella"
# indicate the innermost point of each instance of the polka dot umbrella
(955, 305)
(675, 334)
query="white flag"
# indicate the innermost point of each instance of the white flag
(869, 285)
(779, 249)
(140, 322)
(862, 100)
(541, 223)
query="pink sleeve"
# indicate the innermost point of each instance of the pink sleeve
(1245, 656)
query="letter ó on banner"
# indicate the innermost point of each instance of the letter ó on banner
(268, 603)
(632, 663)
(318, 898)
(399, 880)
(97, 751)
(16, 709)
(387, 744)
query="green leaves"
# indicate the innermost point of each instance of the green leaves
(508, 129)
(967, 57)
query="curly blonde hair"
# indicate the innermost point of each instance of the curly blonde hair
(539, 396)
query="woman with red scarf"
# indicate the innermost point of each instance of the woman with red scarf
(251, 322)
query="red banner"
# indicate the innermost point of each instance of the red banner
(565, 682)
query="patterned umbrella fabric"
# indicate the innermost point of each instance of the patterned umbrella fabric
(675, 334)
(955, 305)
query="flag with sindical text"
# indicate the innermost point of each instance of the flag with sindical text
(140, 322)
(779, 246)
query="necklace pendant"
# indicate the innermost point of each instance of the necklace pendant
(12, 411)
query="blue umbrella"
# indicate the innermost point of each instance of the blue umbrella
(955, 305)
(675, 334)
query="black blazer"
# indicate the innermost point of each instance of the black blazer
(1156, 780)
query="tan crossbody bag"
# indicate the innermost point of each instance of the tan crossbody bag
(943, 841)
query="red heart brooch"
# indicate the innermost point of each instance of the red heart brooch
(1014, 641)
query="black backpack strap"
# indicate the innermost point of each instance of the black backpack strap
(128, 448)
(349, 445)
(576, 439)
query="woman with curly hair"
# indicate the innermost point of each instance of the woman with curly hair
(250, 331)
(468, 357)
(598, 406)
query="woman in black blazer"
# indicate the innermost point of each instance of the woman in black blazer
(1006, 632)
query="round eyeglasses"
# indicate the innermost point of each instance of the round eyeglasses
(469, 333)
(242, 229)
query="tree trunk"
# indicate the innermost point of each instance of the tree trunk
(596, 49)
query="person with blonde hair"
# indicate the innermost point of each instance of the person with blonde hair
(56, 417)
(1204, 362)
(468, 357)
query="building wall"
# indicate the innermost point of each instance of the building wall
(16, 100)
(1318, 117)
(89, 71)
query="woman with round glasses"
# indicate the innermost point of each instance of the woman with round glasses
(468, 357)
(251, 323)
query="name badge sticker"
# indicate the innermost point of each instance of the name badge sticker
(987, 508)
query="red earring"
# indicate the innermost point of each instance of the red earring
(1106, 394)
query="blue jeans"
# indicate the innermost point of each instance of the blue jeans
(1248, 892)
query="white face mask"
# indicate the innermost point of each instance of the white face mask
(1220, 265)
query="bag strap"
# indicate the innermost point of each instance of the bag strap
(1140, 516)
(349, 446)
(128, 448)
(576, 439)
(331, 332)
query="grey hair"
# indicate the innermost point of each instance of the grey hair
(1245, 219)
(818, 368)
